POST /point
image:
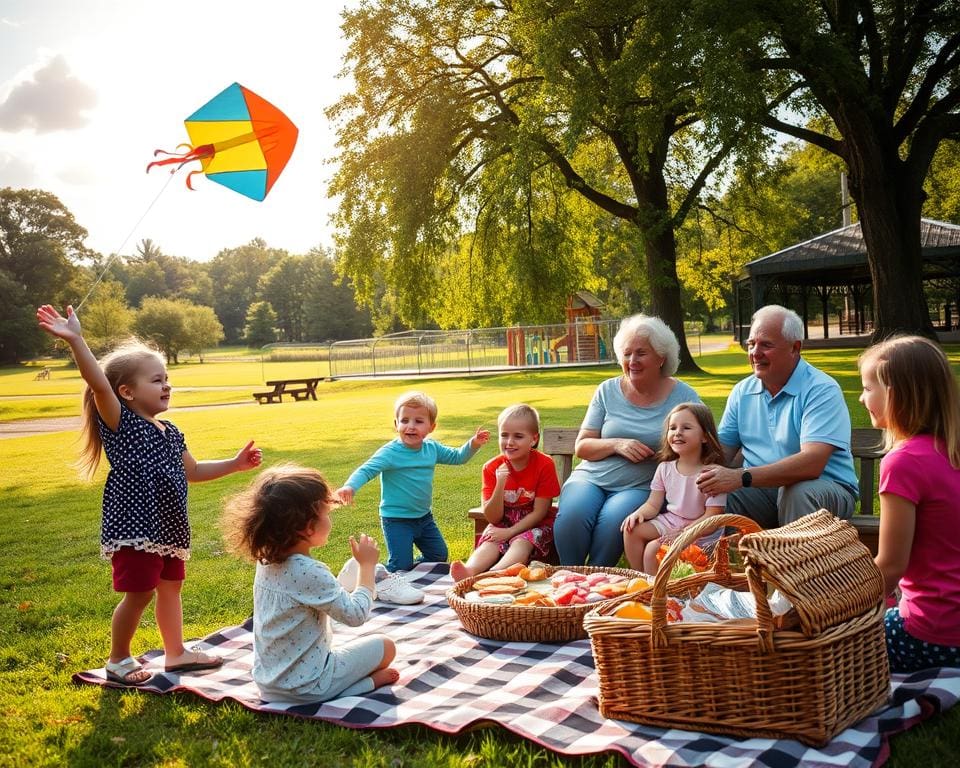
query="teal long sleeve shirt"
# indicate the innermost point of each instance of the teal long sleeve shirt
(406, 475)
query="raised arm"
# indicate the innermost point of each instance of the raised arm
(68, 329)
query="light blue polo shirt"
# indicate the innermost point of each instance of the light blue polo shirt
(809, 409)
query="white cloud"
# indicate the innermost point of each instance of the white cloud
(16, 172)
(53, 100)
(79, 174)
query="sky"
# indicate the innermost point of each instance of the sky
(90, 88)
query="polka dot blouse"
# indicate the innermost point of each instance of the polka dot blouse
(145, 498)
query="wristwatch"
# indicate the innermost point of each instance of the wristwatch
(746, 479)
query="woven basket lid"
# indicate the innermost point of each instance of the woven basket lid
(820, 565)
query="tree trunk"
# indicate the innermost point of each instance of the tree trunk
(889, 201)
(660, 246)
(661, 262)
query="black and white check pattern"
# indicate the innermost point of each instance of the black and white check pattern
(547, 693)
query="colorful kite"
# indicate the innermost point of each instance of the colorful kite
(241, 140)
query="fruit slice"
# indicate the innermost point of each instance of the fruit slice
(631, 609)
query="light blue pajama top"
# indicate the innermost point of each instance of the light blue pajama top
(293, 603)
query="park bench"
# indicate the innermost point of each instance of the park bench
(866, 445)
(44, 373)
(298, 389)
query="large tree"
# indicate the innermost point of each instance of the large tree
(465, 111)
(40, 245)
(236, 272)
(887, 72)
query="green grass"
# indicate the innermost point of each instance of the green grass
(55, 597)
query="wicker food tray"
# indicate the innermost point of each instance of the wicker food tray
(526, 623)
(746, 677)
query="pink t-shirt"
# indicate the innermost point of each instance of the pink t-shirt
(537, 479)
(683, 497)
(930, 586)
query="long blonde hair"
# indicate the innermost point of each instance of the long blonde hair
(120, 367)
(922, 394)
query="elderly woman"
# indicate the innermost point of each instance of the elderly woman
(617, 441)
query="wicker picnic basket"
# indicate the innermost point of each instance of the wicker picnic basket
(754, 677)
(525, 623)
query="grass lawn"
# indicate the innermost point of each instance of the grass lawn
(55, 597)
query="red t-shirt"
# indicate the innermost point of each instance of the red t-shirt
(537, 480)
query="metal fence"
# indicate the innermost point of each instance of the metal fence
(488, 349)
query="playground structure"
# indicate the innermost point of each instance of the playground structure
(473, 351)
(582, 341)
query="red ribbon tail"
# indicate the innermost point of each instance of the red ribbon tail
(198, 153)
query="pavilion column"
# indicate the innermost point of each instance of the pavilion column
(805, 307)
(824, 292)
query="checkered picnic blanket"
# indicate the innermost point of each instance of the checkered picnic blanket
(547, 693)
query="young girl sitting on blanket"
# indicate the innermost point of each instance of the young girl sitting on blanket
(276, 522)
(519, 486)
(689, 442)
(910, 390)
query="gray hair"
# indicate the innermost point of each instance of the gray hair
(658, 335)
(792, 328)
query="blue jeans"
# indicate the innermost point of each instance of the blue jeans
(588, 522)
(401, 533)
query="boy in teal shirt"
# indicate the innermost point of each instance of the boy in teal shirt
(406, 467)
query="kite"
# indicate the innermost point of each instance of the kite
(241, 140)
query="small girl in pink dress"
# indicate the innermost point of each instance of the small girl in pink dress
(689, 443)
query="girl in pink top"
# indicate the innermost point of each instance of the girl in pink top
(689, 442)
(518, 490)
(909, 390)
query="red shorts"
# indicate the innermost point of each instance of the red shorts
(137, 571)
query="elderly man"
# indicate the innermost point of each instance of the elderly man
(791, 423)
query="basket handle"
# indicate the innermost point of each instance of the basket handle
(689, 535)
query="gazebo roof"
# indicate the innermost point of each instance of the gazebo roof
(843, 250)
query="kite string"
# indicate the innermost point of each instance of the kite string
(117, 251)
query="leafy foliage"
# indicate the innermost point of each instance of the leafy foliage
(885, 72)
(261, 327)
(474, 125)
(40, 247)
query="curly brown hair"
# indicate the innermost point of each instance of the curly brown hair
(265, 521)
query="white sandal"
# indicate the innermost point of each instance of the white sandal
(122, 671)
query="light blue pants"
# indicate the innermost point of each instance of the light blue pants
(587, 528)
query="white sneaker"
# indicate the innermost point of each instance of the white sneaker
(349, 575)
(395, 589)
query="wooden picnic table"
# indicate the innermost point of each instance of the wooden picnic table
(298, 389)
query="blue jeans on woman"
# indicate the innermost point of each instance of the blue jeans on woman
(587, 528)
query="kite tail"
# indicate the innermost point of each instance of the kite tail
(198, 153)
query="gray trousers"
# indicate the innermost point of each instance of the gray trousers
(773, 507)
